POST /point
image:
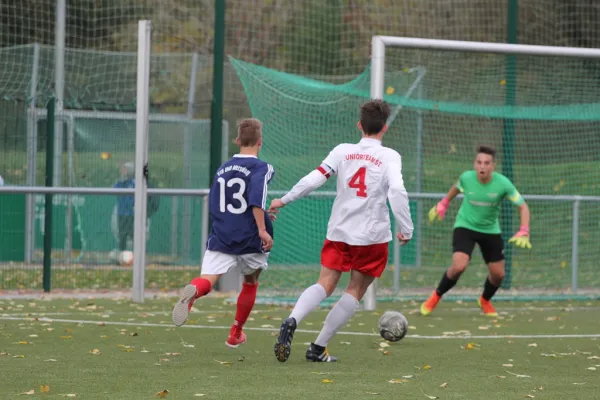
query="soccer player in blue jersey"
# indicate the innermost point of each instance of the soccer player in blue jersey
(242, 231)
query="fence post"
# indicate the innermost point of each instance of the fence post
(575, 246)
(50, 150)
(508, 136)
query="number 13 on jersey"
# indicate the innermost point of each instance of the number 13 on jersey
(358, 182)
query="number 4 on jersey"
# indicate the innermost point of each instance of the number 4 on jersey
(358, 182)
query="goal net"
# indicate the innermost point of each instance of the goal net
(541, 112)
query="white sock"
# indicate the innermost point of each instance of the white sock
(308, 301)
(339, 315)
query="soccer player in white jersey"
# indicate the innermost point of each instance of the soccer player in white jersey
(242, 232)
(359, 229)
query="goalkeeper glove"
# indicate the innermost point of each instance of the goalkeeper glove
(439, 210)
(521, 238)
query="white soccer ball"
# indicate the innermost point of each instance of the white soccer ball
(126, 258)
(393, 326)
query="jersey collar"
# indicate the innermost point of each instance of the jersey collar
(244, 156)
(370, 142)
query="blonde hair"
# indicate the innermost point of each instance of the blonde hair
(249, 132)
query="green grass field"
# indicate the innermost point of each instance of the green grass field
(115, 349)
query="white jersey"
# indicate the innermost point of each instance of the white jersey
(368, 174)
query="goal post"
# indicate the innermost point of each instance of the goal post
(574, 107)
(141, 158)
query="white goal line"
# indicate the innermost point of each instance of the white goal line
(221, 327)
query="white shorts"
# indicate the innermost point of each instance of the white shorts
(217, 263)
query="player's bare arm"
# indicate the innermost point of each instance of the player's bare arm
(259, 217)
(521, 238)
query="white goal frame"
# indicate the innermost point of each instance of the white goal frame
(141, 158)
(378, 49)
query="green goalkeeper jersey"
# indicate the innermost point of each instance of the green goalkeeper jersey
(481, 204)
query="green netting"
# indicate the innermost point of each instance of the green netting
(459, 102)
(305, 118)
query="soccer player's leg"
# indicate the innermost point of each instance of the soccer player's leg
(368, 263)
(251, 266)
(214, 264)
(492, 250)
(334, 260)
(463, 243)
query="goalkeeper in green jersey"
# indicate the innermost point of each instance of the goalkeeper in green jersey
(477, 223)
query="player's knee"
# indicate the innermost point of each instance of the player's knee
(252, 279)
(328, 286)
(497, 276)
(457, 269)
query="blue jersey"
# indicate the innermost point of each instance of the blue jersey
(125, 203)
(239, 185)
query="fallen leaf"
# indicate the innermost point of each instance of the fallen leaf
(471, 346)
(133, 334)
(383, 345)
(519, 375)
(199, 395)
(95, 352)
(162, 393)
(407, 376)
(508, 365)
(429, 397)
(241, 358)
(346, 343)
(66, 337)
(224, 362)
(29, 393)
(33, 336)
(500, 377)
(50, 360)
(373, 393)
(44, 388)
(444, 385)
(592, 368)
(327, 381)
(579, 383)
(23, 342)
(398, 381)
(529, 396)
(426, 367)
(104, 337)
(19, 356)
(172, 354)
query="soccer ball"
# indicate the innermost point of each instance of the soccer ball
(393, 326)
(126, 258)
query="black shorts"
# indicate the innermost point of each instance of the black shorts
(490, 244)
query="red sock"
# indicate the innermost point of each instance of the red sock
(245, 303)
(203, 286)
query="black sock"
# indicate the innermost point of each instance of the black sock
(489, 289)
(445, 284)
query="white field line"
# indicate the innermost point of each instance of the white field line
(504, 311)
(141, 325)
(33, 314)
